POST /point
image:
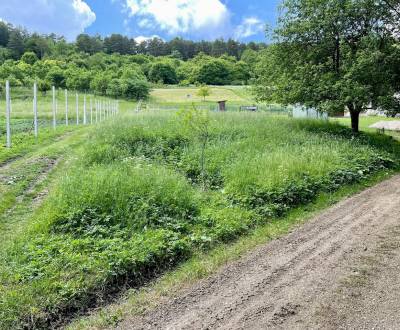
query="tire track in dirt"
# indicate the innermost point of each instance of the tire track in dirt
(28, 199)
(283, 284)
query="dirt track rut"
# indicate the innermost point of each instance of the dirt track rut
(340, 270)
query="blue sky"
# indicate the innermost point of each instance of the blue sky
(191, 19)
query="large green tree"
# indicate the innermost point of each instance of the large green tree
(332, 55)
(88, 44)
(117, 43)
(4, 34)
(16, 44)
(213, 72)
(163, 72)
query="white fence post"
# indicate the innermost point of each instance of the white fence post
(66, 107)
(77, 109)
(35, 112)
(99, 102)
(91, 111)
(8, 114)
(84, 109)
(54, 107)
(97, 109)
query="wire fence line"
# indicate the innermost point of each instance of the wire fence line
(88, 111)
(268, 108)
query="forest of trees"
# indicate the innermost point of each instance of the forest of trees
(117, 66)
(14, 42)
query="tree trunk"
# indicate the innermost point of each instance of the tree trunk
(355, 117)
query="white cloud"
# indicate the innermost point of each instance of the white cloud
(180, 16)
(63, 17)
(250, 26)
(140, 39)
(145, 23)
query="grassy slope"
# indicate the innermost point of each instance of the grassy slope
(131, 206)
(233, 94)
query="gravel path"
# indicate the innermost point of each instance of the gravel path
(388, 125)
(341, 270)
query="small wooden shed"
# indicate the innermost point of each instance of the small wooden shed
(222, 105)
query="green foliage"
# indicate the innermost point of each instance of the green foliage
(87, 44)
(117, 43)
(163, 72)
(135, 89)
(114, 88)
(213, 72)
(204, 91)
(4, 34)
(29, 58)
(133, 202)
(198, 122)
(79, 80)
(56, 77)
(125, 198)
(101, 82)
(43, 86)
(84, 66)
(16, 44)
(332, 55)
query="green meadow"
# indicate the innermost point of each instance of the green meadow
(144, 192)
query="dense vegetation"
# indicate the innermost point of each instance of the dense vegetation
(144, 192)
(149, 190)
(333, 55)
(117, 66)
(14, 42)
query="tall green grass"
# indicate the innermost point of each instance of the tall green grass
(132, 204)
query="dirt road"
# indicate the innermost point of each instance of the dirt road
(339, 271)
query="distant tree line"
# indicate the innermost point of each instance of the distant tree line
(14, 42)
(117, 66)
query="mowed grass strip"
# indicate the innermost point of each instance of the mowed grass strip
(137, 201)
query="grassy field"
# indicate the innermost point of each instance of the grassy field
(22, 127)
(232, 94)
(22, 104)
(137, 199)
(22, 113)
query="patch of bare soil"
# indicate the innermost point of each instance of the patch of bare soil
(338, 271)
